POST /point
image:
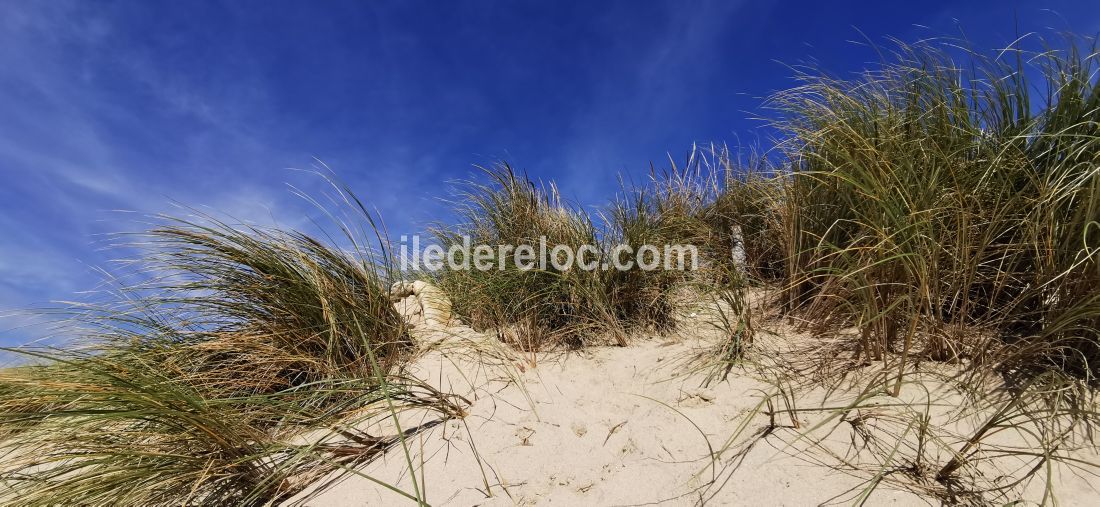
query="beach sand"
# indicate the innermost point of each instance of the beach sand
(629, 426)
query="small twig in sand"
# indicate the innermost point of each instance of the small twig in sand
(612, 431)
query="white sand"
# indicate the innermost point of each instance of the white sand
(614, 426)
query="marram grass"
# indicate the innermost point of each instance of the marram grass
(234, 371)
(931, 200)
(949, 211)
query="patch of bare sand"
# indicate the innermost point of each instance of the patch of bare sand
(610, 426)
(634, 426)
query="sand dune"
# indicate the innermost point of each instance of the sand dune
(620, 426)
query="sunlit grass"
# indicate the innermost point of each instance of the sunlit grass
(947, 214)
(232, 369)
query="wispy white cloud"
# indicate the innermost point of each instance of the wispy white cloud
(633, 106)
(62, 173)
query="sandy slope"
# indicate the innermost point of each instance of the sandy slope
(611, 426)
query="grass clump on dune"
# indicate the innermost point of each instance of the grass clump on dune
(545, 306)
(724, 211)
(284, 306)
(236, 371)
(932, 201)
(726, 207)
(935, 211)
(533, 306)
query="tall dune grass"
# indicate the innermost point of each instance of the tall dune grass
(934, 204)
(531, 308)
(233, 370)
(547, 306)
(948, 212)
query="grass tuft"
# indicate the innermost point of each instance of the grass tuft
(235, 369)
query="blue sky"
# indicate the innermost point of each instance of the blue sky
(109, 106)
